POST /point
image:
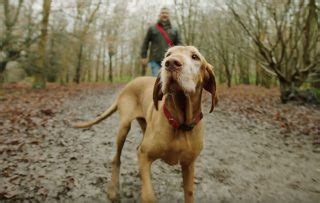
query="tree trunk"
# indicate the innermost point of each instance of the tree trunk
(266, 80)
(258, 73)
(110, 68)
(121, 62)
(311, 32)
(243, 70)
(78, 68)
(40, 77)
(220, 73)
(9, 21)
(87, 76)
(98, 64)
(287, 91)
(115, 64)
(143, 70)
(221, 77)
(262, 78)
(228, 75)
(104, 63)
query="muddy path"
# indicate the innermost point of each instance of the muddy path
(242, 161)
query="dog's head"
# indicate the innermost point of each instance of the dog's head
(184, 69)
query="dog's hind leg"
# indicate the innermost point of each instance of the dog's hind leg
(127, 112)
(113, 187)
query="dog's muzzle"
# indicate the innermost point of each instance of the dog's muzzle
(172, 64)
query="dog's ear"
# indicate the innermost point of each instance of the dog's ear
(209, 84)
(157, 91)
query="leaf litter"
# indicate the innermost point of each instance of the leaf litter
(35, 139)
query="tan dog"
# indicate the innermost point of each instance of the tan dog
(168, 109)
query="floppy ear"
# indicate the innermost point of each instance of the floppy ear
(157, 92)
(209, 84)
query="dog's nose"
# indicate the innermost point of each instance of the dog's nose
(172, 64)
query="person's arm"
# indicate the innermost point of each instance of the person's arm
(145, 44)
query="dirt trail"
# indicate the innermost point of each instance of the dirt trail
(242, 161)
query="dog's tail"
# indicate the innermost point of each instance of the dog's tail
(113, 108)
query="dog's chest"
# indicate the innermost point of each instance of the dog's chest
(181, 150)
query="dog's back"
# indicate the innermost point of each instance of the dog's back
(136, 96)
(133, 101)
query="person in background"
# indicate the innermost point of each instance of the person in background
(158, 39)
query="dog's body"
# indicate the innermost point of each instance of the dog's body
(140, 100)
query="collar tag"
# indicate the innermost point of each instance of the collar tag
(186, 127)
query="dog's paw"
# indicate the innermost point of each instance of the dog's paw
(112, 192)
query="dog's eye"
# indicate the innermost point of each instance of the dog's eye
(168, 54)
(195, 57)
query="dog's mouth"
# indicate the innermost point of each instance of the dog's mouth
(172, 85)
(177, 81)
(172, 82)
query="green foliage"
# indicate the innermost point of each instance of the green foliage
(313, 94)
(38, 84)
(122, 79)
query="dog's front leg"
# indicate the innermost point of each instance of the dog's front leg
(188, 176)
(147, 193)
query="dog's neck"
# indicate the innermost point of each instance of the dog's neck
(184, 107)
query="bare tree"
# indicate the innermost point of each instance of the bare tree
(247, 41)
(113, 38)
(81, 36)
(10, 20)
(220, 42)
(187, 15)
(40, 78)
(282, 49)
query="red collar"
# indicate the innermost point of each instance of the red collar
(181, 126)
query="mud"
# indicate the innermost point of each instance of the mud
(242, 161)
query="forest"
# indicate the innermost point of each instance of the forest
(66, 60)
(265, 43)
